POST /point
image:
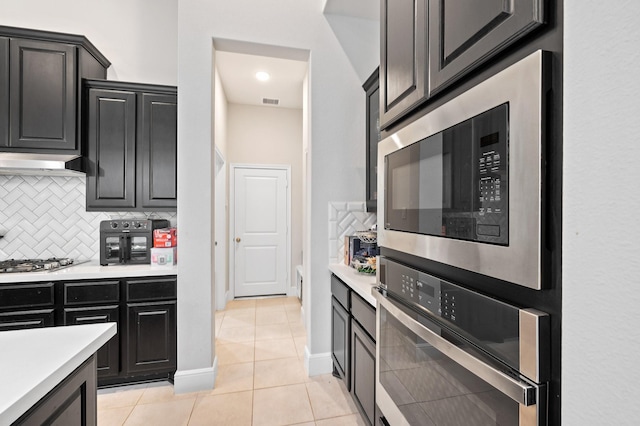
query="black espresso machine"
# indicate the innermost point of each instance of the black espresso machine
(128, 241)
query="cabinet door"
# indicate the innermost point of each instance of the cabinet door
(43, 95)
(403, 57)
(26, 319)
(371, 87)
(108, 356)
(151, 337)
(4, 92)
(157, 151)
(468, 32)
(111, 150)
(340, 338)
(363, 372)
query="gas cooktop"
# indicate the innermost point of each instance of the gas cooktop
(34, 265)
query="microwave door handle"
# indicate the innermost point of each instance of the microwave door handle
(124, 248)
(521, 392)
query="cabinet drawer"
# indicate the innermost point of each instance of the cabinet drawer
(91, 292)
(26, 295)
(340, 291)
(151, 289)
(26, 319)
(365, 314)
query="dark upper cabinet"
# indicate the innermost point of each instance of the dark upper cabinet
(43, 95)
(4, 92)
(131, 146)
(111, 148)
(403, 57)
(371, 88)
(40, 80)
(157, 150)
(468, 32)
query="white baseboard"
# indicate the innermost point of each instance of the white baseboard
(201, 379)
(317, 364)
(293, 291)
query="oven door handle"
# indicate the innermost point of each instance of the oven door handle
(521, 392)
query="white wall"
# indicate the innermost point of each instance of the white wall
(601, 233)
(337, 117)
(139, 37)
(268, 135)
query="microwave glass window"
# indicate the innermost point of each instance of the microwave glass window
(454, 183)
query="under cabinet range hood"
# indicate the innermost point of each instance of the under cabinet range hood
(32, 164)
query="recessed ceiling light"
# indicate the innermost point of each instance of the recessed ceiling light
(262, 76)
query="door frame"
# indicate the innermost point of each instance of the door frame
(220, 173)
(232, 222)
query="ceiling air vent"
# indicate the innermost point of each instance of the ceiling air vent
(267, 101)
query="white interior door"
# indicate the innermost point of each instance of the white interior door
(260, 234)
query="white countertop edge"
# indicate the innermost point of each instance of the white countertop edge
(360, 283)
(90, 270)
(19, 394)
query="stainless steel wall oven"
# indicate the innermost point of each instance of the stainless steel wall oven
(447, 355)
(463, 185)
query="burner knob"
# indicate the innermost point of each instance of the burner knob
(125, 225)
(137, 225)
(114, 225)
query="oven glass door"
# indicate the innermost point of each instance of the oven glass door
(454, 183)
(113, 248)
(139, 248)
(419, 384)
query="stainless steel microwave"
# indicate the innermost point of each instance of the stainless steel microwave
(463, 184)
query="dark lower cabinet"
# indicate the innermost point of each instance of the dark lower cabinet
(145, 345)
(131, 146)
(353, 349)
(26, 319)
(107, 357)
(71, 403)
(151, 337)
(363, 371)
(340, 326)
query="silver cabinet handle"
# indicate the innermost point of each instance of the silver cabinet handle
(521, 392)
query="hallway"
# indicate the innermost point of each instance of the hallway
(261, 379)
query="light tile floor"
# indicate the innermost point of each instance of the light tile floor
(261, 379)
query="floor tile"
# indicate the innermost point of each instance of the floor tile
(113, 416)
(270, 301)
(168, 413)
(239, 304)
(124, 398)
(270, 316)
(329, 397)
(350, 420)
(229, 409)
(300, 342)
(292, 406)
(297, 330)
(278, 372)
(161, 394)
(234, 378)
(273, 331)
(234, 353)
(274, 349)
(237, 334)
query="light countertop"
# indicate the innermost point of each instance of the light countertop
(360, 283)
(33, 362)
(90, 270)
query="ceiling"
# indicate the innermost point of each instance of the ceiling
(237, 73)
(237, 70)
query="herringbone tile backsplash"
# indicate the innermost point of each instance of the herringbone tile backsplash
(346, 219)
(45, 216)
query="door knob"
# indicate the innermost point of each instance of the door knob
(237, 239)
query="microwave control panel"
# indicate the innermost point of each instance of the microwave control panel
(491, 139)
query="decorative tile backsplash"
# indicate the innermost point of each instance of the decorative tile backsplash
(345, 218)
(45, 216)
